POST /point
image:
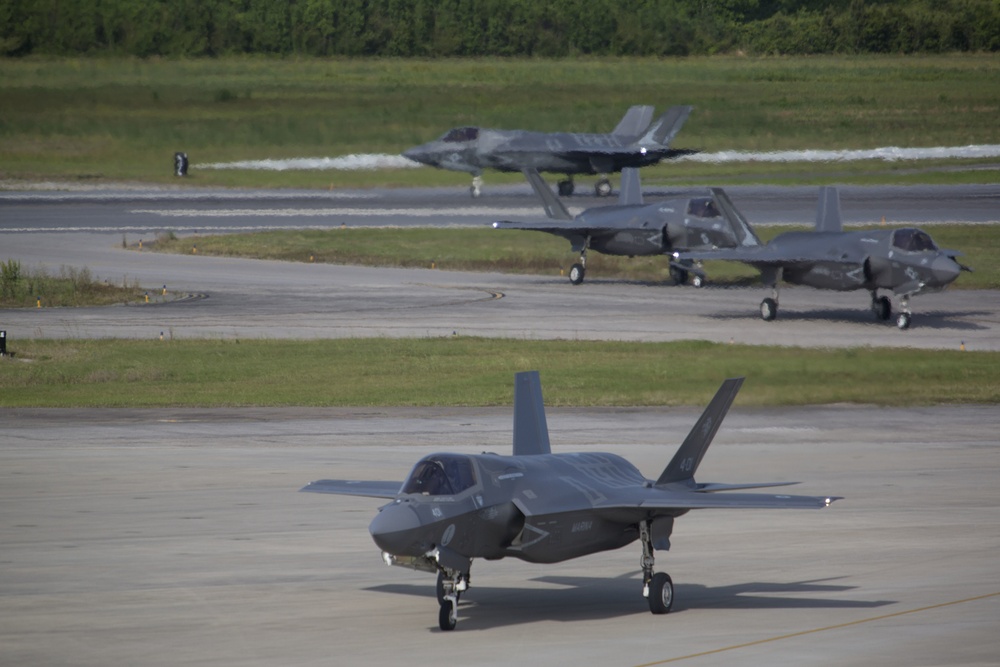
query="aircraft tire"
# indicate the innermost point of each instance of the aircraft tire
(661, 593)
(565, 188)
(447, 619)
(903, 321)
(768, 309)
(576, 273)
(680, 276)
(882, 308)
(602, 188)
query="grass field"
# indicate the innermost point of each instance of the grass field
(529, 252)
(462, 371)
(123, 119)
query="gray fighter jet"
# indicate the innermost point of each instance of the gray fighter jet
(546, 508)
(635, 142)
(633, 228)
(903, 260)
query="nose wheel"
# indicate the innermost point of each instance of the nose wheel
(450, 586)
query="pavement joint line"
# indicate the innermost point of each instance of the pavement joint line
(817, 630)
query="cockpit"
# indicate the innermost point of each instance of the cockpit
(461, 134)
(703, 207)
(441, 475)
(912, 240)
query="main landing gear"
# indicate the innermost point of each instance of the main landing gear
(476, 188)
(769, 306)
(450, 586)
(579, 270)
(602, 188)
(657, 588)
(882, 308)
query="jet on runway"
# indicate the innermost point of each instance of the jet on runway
(546, 508)
(904, 260)
(633, 228)
(635, 142)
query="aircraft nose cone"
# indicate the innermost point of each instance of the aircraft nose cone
(394, 528)
(945, 269)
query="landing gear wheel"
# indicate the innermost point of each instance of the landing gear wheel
(565, 188)
(698, 281)
(661, 593)
(903, 321)
(447, 618)
(576, 273)
(882, 308)
(768, 309)
(602, 188)
(679, 275)
(476, 188)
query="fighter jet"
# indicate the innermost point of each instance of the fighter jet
(546, 508)
(903, 260)
(635, 142)
(633, 228)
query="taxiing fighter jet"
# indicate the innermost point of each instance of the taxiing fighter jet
(903, 260)
(635, 142)
(635, 229)
(545, 508)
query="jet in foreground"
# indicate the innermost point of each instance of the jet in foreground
(632, 228)
(546, 508)
(635, 142)
(903, 260)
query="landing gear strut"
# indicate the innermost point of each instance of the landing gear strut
(579, 270)
(450, 586)
(657, 588)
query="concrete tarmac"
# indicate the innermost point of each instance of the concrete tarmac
(177, 537)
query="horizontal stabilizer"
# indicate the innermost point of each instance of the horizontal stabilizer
(346, 487)
(711, 487)
(635, 120)
(696, 501)
(531, 431)
(553, 207)
(685, 462)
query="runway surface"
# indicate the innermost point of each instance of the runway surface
(228, 298)
(168, 537)
(162, 537)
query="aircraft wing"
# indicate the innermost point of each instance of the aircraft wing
(347, 487)
(698, 500)
(571, 231)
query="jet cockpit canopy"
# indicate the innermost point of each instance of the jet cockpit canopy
(912, 240)
(703, 207)
(461, 134)
(441, 475)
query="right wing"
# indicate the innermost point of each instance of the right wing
(347, 487)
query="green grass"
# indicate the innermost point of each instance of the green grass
(529, 252)
(71, 287)
(462, 371)
(113, 119)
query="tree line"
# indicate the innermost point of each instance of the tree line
(449, 28)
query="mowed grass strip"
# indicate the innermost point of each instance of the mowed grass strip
(123, 118)
(465, 371)
(516, 251)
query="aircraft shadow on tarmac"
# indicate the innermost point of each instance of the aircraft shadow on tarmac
(937, 320)
(595, 598)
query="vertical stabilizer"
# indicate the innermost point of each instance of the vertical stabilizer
(828, 210)
(745, 235)
(630, 193)
(531, 432)
(665, 128)
(553, 207)
(635, 120)
(685, 462)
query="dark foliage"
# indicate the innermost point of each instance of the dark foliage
(542, 28)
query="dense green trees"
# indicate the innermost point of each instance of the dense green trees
(442, 28)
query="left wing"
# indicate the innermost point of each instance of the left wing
(347, 487)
